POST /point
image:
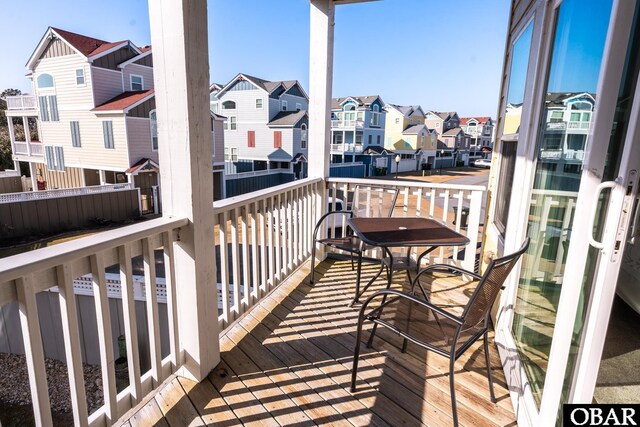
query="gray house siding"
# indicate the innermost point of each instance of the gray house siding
(146, 61)
(106, 84)
(112, 60)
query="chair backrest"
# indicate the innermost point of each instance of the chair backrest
(485, 294)
(373, 201)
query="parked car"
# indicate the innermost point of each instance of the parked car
(482, 163)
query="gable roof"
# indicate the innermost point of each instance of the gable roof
(287, 118)
(265, 85)
(453, 132)
(376, 149)
(482, 120)
(84, 45)
(362, 101)
(415, 129)
(142, 164)
(125, 101)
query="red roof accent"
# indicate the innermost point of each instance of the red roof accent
(124, 100)
(83, 44)
(465, 120)
(106, 46)
(143, 49)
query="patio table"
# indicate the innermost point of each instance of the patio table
(387, 233)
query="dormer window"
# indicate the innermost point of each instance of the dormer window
(410, 120)
(137, 82)
(45, 81)
(298, 106)
(284, 105)
(228, 105)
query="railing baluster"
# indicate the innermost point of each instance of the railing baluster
(246, 265)
(237, 307)
(432, 203)
(224, 268)
(345, 196)
(334, 196)
(263, 249)
(473, 227)
(153, 321)
(271, 218)
(296, 227)
(255, 293)
(445, 217)
(285, 232)
(170, 284)
(278, 237)
(73, 352)
(34, 352)
(107, 362)
(419, 202)
(130, 322)
(405, 208)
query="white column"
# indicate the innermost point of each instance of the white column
(12, 135)
(322, 20)
(181, 76)
(103, 176)
(27, 134)
(34, 178)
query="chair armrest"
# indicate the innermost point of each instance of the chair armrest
(410, 297)
(323, 217)
(443, 267)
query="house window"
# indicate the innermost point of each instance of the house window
(505, 180)
(54, 158)
(228, 105)
(303, 136)
(397, 120)
(277, 139)
(153, 122)
(80, 77)
(107, 134)
(251, 138)
(298, 106)
(48, 108)
(358, 139)
(437, 124)
(360, 115)
(422, 140)
(258, 102)
(337, 138)
(378, 139)
(410, 120)
(370, 139)
(45, 81)
(230, 123)
(231, 154)
(75, 134)
(136, 82)
(375, 116)
(284, 105)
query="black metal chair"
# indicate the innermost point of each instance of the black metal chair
(367, 202)
(473, 322)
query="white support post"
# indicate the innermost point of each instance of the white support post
(181, 76)
(12, 134)
(34, 178)
(27, 134)
(103, 177)
(321, 23)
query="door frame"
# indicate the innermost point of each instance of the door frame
(608, 86)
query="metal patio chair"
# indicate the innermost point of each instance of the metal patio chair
(473, 321)
(369, 202)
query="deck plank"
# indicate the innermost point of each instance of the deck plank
(288, 362)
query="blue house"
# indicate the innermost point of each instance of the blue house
(357, 135)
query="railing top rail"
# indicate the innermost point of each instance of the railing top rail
(26, 263)
(237, 201)
(415, 184)
(63, 192)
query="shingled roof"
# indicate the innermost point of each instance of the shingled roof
(482, 120)
(124, 100)
(287, 118)
(361, 100)
(415, 129)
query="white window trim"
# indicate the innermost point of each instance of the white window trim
(228, 121)
(298, 106)
(50, 88)
(84, 77)
(261, 103)
(151, 129)
(228, 100)
(284, 106)
(131, 76)
(303, 136)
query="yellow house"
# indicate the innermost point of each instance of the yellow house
(407, 134)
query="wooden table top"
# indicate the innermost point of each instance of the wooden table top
(393, 232)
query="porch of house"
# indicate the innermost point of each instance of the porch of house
(287, 361)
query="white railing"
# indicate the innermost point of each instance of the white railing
(9, 174)
(22, 102)
(257, 173)
(347, 148)
(23, 276)
(262, 237)
(22, 147)
(578, 125)
(63, 192)
(347, 124)
(432, 201)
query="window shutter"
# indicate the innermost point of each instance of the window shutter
(277, 139)
(75, 134)
(48, 151)
(251, 138)
(107, 131)
(53, 107)
(44, 111)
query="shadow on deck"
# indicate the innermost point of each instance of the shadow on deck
(288, 362)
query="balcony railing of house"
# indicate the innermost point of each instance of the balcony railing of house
(33, 148)
(347, 148)
(22, 102)
(63, 192)
(561, 154)
(580, 125)
(9, 174)
(262, 238)
(347, 124)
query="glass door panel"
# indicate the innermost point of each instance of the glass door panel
(571, 98)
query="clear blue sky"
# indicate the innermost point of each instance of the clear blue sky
(442, 54)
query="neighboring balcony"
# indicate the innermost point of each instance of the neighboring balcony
(22, 105)
(347, 124)
(23, 148)
(346, 148)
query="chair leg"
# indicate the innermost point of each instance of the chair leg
(313, 263)
(352, 266)
(358, 275)
(488, 361)
(454, 407)
(356, 352)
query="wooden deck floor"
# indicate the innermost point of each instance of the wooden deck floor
(288, 362)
